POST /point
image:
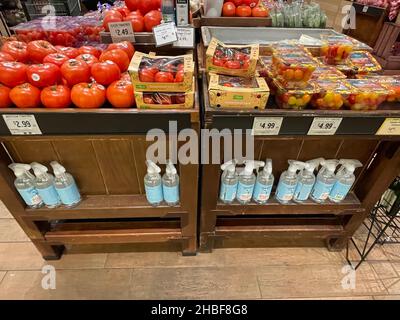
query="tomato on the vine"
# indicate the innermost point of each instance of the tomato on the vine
(105, 72)
(75, 71)
(120, 94)
(39, 49)
(88, 95)
(58, 96)
(118, 56)
(88, 58)
(56, 58)
(16, 49)
(25, 96)
(126, 46)
(5, 101)
(43, 75)
(12, 73)
(163, 76)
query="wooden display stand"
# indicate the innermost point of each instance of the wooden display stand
(383, 48)
(105, 150)
(299, 224)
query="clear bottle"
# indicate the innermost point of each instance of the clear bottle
(344, 179)
(170, 185)
(25, 185)
(229, 182)
(168, 10)
(288, 182)
(306, 180)
(65, 185)
(264, 184)
(153, 184)
(247, 180)
(44, 184)
(182, 9)
(325, 180)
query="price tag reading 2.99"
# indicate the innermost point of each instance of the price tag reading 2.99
(324, 126)
(267, 126)
(21, 124)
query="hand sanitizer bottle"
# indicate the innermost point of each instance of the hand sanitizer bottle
(44, 184)
(25, 185)
(65, 185)
(247, 179)
(264, 184)
(325, 180)
(288, 182)
(152, 184)
(229, 182)
(170, 185)
(344, 179)
(306, 180)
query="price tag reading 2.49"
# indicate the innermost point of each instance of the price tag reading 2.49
(22, 124)
(267, 126)
(121, 31)
(324, 126)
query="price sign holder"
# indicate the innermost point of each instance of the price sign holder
(324, 126)
(186, 38)
(165, 33)
(121, 31)
(390, 127)
(365, 9)
(22, 124)
(267, 126)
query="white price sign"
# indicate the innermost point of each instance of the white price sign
(365, 9)
(165, 33)
(324, 126)
(22, 124)
(121, 31)
(185, 37)
(267, 126)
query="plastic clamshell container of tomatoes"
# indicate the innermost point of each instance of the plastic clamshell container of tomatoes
(293, 70)
(366, 94)
(364, 62)
(231, 59)
(165, 100)
(327, 72)
(331, 95)
(336, 49)
(285, 46)
(160, 73)
(392, 83)
(264, 69)
(297, 99)
(237, 92)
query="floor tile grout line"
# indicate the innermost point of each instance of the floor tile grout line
(4, 276)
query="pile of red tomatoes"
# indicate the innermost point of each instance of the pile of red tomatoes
(143, 15)
(244, 8)
(38, 74)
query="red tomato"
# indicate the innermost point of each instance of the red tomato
(105, 72)
(237, 2)
(352, 99)
(163, 76)
(125, 46)
(89, 49)
(12, 73)
(152, 19)
(137, 22)
(56, 97)
(148, 99)
(120, 94)
(145, 6)
(118, 56)
(180, 98)
(43, 75)
(16, 49)
(229, 9)
(179, 76)
(124, 11)
(146, 75)
(132, 4)
(56, 58)
(250, 3)
(5, 101)
(25, 96)
(218, 62)
(243, 11)
(88, 95)
(111, 18)
(70, 52)
(88, 58)
(232, 64)
(75, 71)
(259, 12)
(39, 49)
(6, 57)
(245, 64)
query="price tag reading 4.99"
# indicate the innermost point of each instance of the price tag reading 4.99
(267, 126)
(324, 126)
(22, 124)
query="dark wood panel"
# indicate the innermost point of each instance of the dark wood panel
(317, 148)
(30, 150)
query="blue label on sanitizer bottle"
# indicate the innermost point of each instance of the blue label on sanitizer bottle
(284, 192)
(30, 196)
(340, 191)
(49, 195)
(69, 195)
(154, 194)
(244, 192)
(302, 191)
(171, 194)
(321, 190)
(228, 192)
(261, 191)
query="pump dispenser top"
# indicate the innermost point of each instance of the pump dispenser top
(295, 166)
(152, 168)
(250, 165)
(38, 169)
(350, 164)
(170, 168)
(20, 169)
(229, 166)
(311, 165)
(329, 165)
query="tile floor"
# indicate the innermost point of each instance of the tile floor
(260, 273)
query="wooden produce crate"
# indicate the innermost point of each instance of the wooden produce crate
(383, 48)
(307, 224)
(105, 150)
